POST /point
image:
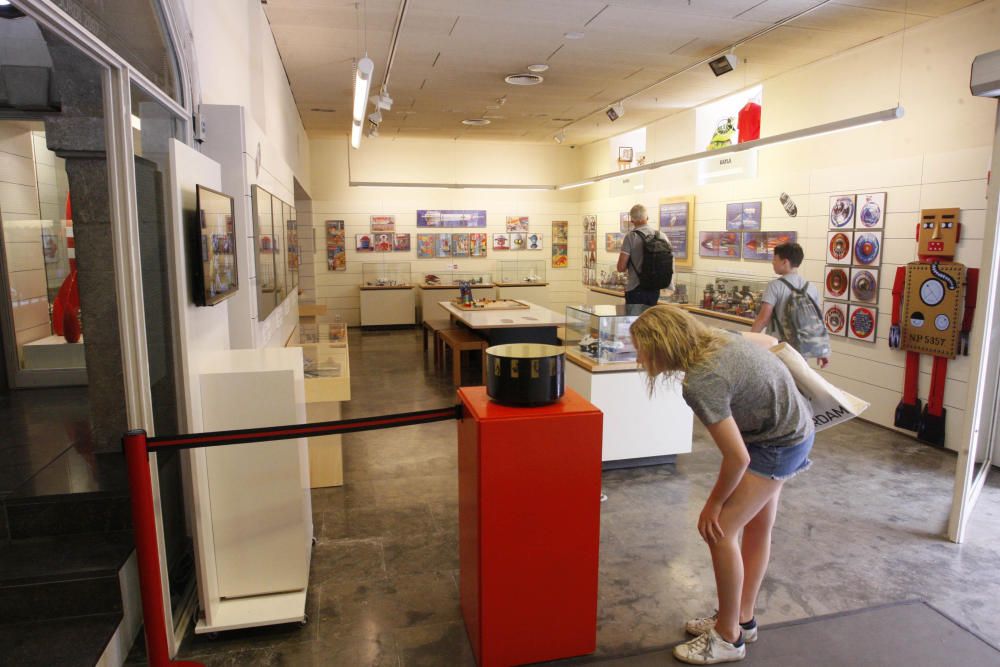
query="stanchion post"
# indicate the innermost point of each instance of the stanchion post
(147, 554)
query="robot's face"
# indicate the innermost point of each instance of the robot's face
(937, 234)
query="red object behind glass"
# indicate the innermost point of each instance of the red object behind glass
(66, 305)
(749, 122)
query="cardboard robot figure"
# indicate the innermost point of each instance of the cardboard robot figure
(927, 303)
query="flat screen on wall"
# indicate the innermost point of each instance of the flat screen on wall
(213, 248)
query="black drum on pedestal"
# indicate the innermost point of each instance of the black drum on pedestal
(525, 374)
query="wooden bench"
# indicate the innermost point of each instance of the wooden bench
(431, 330)
(461, 340)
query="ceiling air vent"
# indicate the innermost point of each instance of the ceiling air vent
(476, 121)
(523, 79)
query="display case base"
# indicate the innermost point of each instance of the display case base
(669, 459)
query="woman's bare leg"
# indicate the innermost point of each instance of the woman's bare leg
(751, 496)
(756, 551)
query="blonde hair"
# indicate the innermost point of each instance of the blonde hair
(669, 340)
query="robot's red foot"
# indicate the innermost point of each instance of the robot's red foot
(908, 415)
(932, 428)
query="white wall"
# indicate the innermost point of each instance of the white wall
(936, 156)
(386, 160)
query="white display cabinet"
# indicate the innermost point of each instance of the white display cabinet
(522, 280)
(387, 297)
(639, 429)
(252, 504)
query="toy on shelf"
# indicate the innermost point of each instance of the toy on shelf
(927, 300)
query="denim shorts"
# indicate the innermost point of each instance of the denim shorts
(780, 463)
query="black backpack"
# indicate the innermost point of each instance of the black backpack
(657, 262)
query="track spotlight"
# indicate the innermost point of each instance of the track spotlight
(560, 137)
(723, 64)
(375, 117)
(615, 111)
(382, 100)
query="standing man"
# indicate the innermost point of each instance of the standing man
(648, 258)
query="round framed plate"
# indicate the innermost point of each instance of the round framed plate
(864, 286)
(836, 282)
(835, 320)
(840, 246)
(866, 247)
(862, 323)
(870, 215)
(842, 212)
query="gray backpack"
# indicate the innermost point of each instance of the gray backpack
(806, 331)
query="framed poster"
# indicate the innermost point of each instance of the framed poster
(842, 212)
(560, 244)
(624, 222)
(534, 241)
(517, 224)
(708, 244)
(734, 216)
(383, 241)
(449, 219)
(861, 323)
(590, 223)
(442, 245)
(518, 241)
(477, 243)
(613, 241)
(867, 248)
(755, 247)
(560, 231)
(864, 285)
(839, 246)
(835, 318)
(677, 224)
(364, 243)
(425, 246)
(871, 211)
(835, 282)
(501, 242)
(401, 243)
(336, 257)
(460, 245)
(729, 245)
(383, 223)
(751, 215)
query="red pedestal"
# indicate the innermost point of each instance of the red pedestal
(529, 485)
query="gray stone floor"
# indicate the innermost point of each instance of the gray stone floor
(864, 526)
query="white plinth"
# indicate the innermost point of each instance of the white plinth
(387, 306)
(636, 426)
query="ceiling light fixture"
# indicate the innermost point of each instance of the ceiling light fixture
(538, 69)
(723, 64)
(526, 79)
(476, 122)
(375, 116)
(362, 81)
(560, 137)
(574, 35)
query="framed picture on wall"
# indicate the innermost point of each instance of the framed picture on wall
(501, 242)
(401, 243)
(449, 219)
(842, 212)
(677, 223)
(835, 318)
(835, 282)
(624, 222)
(383, 223)
(755, 247)
(518, 241)
(442, 245)
(364, 243)
(864, 285)
(871, 211)
(460, 245)
(867, 248)
(625, 154)
(477, 244)
(517, 223)
(862, 322)
(426, 245)
(839, 247)
(534, 241)
(613, 241)
(708, 244)
(382, 241)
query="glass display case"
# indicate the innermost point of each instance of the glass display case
(385, 274)
(609, 277)
(680, 290)
(601, 333)
(520, 272)
(453, 278)
(733, 294)
(318, 362)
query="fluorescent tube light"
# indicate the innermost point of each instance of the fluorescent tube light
(362, 81)
(356, 134)
(578, 184)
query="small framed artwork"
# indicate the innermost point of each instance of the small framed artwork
(460, 245)
(835, 282)
(364, 243)
(382, 241)
(401, 243)
(677, 223)
(839, 247)
(426, 244)
(755, 247)
(517, 224)
(708, 244)
(501, 242)
(835, 318)
(734, 216)
(442, 245)
(560, 255)
(871, 211)
(560, 231)
(867, 248)
(861, 323)
(383, 223)
(841, 211)
(625, 154)
(624, 222)
(774, 239)
(729, 245)
(534, 241)
(518, 241)
(864, 285)
(751, 215)
(590, 223)
(477, 244)
(613, 241)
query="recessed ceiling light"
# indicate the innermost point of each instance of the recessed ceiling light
(523, 79)
(538, 69)
(573, 35)
(477, 122)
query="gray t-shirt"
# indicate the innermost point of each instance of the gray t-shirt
(632, 246)
(777, 294)
(754, 387)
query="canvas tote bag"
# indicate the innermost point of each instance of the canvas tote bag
(830, 405)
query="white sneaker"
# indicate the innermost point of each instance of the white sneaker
(709, 649)
(699, 626)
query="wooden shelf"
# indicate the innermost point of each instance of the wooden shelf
(717, 315)
(385, 287)
(609, 292)
(455, 286)
(522, 284)
(588, 364)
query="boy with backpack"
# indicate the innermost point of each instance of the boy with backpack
(790, 309)
(647, 256)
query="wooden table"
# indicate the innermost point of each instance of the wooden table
(534, 324)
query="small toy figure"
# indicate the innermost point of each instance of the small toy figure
(927, 300)
(723, 136)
